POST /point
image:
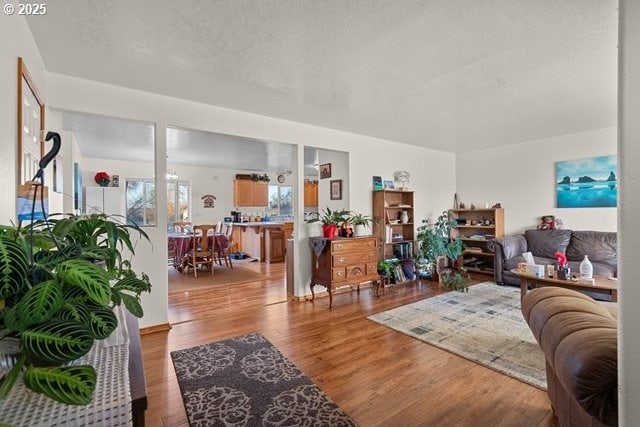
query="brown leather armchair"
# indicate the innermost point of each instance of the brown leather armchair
(579, 339)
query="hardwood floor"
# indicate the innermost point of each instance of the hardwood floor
(377, 375)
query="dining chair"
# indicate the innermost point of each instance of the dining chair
(201, 253)
(224, 246)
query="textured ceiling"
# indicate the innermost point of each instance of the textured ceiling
(451, 74)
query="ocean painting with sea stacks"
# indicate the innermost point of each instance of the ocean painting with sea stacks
(587, 183)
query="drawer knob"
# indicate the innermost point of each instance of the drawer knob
(339, 246)
(339, 273)
(341, 259)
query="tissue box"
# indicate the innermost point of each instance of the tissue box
(536, 270)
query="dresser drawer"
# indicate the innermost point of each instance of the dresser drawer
(338, 274)
(354, 258)
(372, 268)
(356, 270)
(343, 246)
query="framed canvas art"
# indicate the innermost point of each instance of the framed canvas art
(587, 183)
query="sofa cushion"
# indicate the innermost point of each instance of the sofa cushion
(545, 243)
(601, 247)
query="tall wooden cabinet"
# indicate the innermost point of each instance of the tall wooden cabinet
(310, 194)
(476, 227)
(394, 225)
(250, 193)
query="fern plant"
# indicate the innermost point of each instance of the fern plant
(59, 282)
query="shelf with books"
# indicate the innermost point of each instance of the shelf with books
(476, 227)
(393, 213)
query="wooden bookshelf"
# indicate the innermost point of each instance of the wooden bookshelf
(388, 206)
(480, 226)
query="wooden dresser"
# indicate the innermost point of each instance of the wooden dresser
(345, 262)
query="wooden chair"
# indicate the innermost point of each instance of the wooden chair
(201, 253)
(224, 253)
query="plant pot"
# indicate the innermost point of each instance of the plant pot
(361, 230)
(329, 231)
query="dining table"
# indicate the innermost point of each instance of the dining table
(182, 243)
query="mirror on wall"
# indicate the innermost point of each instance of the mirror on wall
(326, 180)
(30, 125)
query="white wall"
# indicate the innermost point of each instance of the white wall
(522, 178)
(629, 240)
(433, 171)
(16, 41)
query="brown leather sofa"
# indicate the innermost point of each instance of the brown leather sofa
(579, 339)
(600, 246)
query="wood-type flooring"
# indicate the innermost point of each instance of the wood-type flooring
(380, 377)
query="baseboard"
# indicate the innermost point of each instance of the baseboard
(162, 327)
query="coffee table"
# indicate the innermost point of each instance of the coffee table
(602, 285)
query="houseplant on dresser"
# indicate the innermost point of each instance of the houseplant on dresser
(330, 220)
(60, 279)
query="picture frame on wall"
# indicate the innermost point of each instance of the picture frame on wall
(377, 183)
(335, 188)
(325, 170)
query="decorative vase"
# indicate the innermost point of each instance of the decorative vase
(404, 217)
(586, 268)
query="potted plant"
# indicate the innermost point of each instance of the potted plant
(59, 282)
(434, 244)
(330, 221)
(361, 223)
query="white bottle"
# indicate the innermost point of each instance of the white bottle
(586, 268)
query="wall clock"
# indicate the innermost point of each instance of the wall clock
(281, 179)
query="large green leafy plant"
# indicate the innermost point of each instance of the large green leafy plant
(435, 241)
(59, 282)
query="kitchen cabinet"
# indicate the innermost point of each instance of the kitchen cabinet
(105, 200)
(263, 241)
(310, 194)
(250, 193)
(274, 244)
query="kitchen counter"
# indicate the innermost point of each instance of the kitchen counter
(261, 240)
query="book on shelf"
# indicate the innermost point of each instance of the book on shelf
(403, 250)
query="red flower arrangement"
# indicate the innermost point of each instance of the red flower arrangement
(102, 179)
(561, 258)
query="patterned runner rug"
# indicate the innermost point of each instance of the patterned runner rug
(484, 325)
(246, 381)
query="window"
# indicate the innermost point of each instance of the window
(141, 201)
(178, 201)
(280, 200)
